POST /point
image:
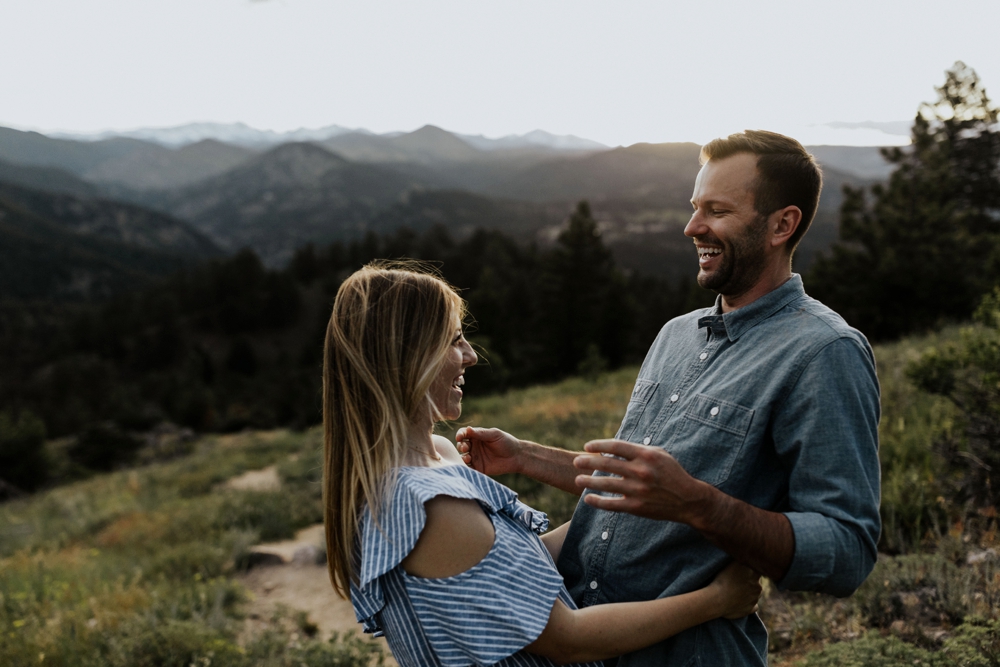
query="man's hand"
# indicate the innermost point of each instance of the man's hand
(489, 450)
(653, 484)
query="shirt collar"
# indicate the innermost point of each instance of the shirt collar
(737, 322)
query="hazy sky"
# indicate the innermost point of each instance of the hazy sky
(619, 72)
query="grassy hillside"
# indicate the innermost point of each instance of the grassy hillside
(137, 566)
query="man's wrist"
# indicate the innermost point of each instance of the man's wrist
(707, 508)
(532, 459)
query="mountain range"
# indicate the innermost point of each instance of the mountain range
(241, 134)
(68, 247)
(193, 195)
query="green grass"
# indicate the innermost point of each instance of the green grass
(136, 567)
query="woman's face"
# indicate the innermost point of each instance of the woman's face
(446, 390)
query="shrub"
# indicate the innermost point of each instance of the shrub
(871, 650)
(968, 374)
(173, 644)
(975, 644)
(103, 447)
(924, 588)
(275, 515)
(23, 464)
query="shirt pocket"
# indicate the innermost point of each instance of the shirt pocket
(641, 395)
(710, 437)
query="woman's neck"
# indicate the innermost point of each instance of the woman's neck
(420, 450)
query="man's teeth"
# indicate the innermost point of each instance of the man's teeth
(709, 251)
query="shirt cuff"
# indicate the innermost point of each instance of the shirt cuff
(815, 552)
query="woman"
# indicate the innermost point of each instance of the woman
(441, 559)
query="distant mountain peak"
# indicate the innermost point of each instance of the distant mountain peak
(240, 134)
(533, 139)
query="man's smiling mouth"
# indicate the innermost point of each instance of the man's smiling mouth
(707, 252)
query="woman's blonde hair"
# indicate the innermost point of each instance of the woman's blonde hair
(391, 326)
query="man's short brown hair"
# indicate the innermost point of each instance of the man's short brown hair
(786, 174)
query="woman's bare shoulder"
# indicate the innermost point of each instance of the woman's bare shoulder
(446, 449)
(457, 535)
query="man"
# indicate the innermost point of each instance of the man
(751, 434)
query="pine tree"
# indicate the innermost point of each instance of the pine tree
(925, 249)
(579, 295)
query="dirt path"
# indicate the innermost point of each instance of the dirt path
(299, 584)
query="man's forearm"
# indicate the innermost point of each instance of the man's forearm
(761, 540)
(549, 465)
(650, 483)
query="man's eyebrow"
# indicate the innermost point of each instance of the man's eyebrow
(712, 202)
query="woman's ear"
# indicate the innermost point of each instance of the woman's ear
(784, 222)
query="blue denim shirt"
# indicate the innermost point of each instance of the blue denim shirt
(775, 403)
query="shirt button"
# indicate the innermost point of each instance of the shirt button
(647, 440)
(703, 356)
(714, 411)
(673, 399)
(604, 535)
(593, 585)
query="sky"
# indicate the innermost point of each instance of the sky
(617, 72)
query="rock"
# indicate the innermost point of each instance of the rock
(976, 557)
(263, 558)
(306, 555)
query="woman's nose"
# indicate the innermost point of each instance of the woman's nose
(469, 356)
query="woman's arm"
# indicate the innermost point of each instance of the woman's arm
(553, 540)
(458, 534)
(495, 452)
(607, 630)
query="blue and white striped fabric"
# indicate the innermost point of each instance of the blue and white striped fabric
(483, 616)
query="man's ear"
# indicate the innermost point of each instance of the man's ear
(784, 222)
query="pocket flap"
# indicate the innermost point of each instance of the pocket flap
(643, 391)
(720, 414)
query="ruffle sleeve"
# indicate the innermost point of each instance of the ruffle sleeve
(495, 608)
(385, 544)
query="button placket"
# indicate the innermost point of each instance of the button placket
(596, 563)
(695, 369)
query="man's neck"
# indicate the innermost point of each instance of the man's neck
(769, 281)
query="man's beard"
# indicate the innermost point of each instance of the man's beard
(743, 261)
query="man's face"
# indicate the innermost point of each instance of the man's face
(731, 237)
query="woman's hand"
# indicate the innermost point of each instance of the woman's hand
(489, 450)
(738, 588)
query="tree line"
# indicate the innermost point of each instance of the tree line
(229, 344)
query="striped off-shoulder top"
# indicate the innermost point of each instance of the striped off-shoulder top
(483, 616)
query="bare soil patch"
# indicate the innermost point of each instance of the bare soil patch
(299, 585)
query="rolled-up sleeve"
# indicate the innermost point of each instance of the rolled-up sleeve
(826, 433)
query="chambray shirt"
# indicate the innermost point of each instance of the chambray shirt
(775, 403)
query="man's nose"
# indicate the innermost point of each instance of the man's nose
(695, 226)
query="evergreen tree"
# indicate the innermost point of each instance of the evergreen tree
(578, 286)
(925, 249)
